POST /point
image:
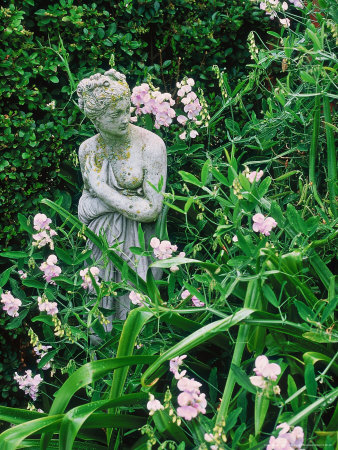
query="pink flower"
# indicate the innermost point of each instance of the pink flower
(190, 82)
(175, 363)
(263, 225)
(193, 134)
(235, 238)
(87, 281)
(258, 381)
(155, 242)
(44, 237)
(254, 176)
(188, 385)
(287, 440)
(265, 369)
(182, 119)
(190, 404)
(285, 22)
(11, 304)
(29, 384)
(174, 269)
(183, 135)
(41, 222)
(154, 405)
(196, 302)
(50, 269)
(135, 298)
(51, 308)
(22, 274)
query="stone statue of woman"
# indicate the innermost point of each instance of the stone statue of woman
(117, 165)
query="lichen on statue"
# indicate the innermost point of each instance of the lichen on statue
(117, 165)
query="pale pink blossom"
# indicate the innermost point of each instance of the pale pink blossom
(195, 301)
(155, 242)
(174, 269)
(11, 304)
(263, 225)
(182, 119)
(190, 82)
(51, 308)
(285, 22)
(23, 275)
(154, 405)
(254, 176)
(50, 269)
(193, 134)
(188, 385)
(287, 440)
(29, 384)
(162, 249)
(285, 6)
(235, 238)
(190, 404)
(44, 237)
(265, 369)
(209, 437)
(183, 135)
(135, 298)
(258, 381)
(175, 363)
(87, 281)
(41, 222)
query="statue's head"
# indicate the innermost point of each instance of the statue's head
(99, 93)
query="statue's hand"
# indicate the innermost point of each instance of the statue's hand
(93, 175)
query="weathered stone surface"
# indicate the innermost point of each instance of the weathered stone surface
(117, 164)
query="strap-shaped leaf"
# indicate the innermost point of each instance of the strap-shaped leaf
(11, 439)
(76, 417)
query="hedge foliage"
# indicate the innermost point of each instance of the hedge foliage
(46, 50)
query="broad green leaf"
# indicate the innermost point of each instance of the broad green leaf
(32, 282)
(165, 425)
(64, 256)
(75, 418)
(11, 439)
(292, 389)
(5, 276)
(270, 295)
(262, 403)
(189, 178)
(310, 381)
(14, 255)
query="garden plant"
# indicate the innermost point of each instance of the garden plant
(236, 346)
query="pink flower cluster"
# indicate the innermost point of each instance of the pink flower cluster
(45, 233)
(153, 405)
(195, 301)
(272, 7)
(254, 176)
(87, 281)
(287, 440)
(263, 225)
(164, 249)
(50, 269)
(264, 371)
(23, 275)
(51, 308)
(150, 101)
(11, 304)
(192, 106)
(29, 384)
(41, 351)
(191, 401)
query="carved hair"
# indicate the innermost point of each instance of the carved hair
(98, 92)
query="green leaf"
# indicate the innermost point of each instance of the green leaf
(32, 282)
(76, 417)
(277, 214)
(23, 221)
(264, 186)
(54, 79)
(11, 439)
(45, 319)
(165, 426)
(141, 237)
(220, 177)
(242, 379)
(87, 374)
(16, 322)
(262, 403)
(64, 256)
(205, 172)
(190, 178)
(304, 311)
(5, 276)
(292, 389)
(14, 255)
(270, 295)
(305, 76)
(310, 381)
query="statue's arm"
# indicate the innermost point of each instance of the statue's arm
(142, 209)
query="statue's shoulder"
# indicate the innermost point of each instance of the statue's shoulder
(88, 145)
(151, 141)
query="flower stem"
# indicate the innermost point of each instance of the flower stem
(331, 156)
(313, 151)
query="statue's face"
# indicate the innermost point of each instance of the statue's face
(115, 120)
